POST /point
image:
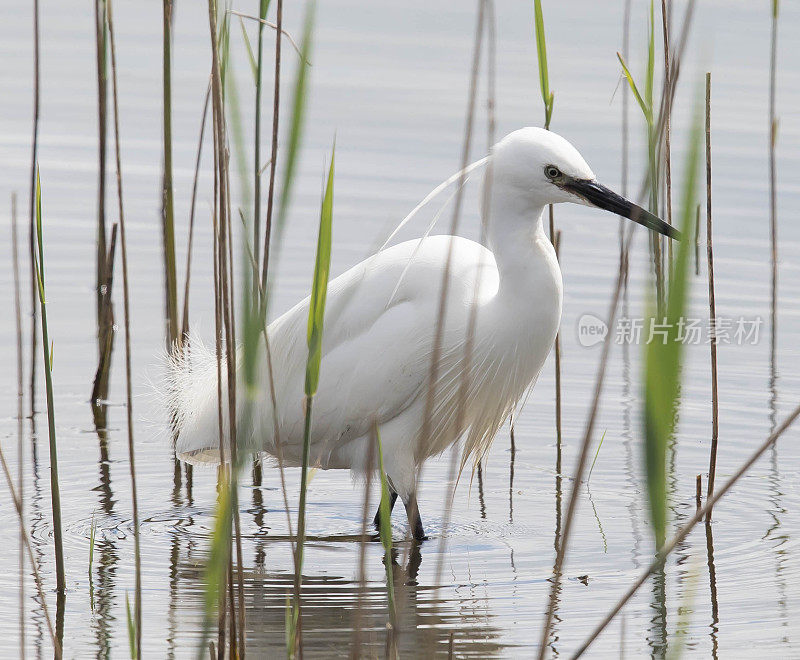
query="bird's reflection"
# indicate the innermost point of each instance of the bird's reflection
(333, 622)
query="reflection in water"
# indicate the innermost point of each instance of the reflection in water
(627, 440)
(776, 509)
(553, 641)
(712, 580)
(105, 550)
(657, 634)
(61, 609)
(330, 610)
(511, 472)
(780, 538)
(481, 498)
(37, 538)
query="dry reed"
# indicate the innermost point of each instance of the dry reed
(678, 538)
(126, 305)
(712, 310)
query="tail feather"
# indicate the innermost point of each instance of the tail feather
(191, 395)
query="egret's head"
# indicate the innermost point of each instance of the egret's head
(543, 167)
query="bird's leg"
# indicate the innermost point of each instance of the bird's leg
(414, 520)
(377, 520)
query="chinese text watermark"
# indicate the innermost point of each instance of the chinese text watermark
(739, 331)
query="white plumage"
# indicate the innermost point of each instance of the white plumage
(380, 325)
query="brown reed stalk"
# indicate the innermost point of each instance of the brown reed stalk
(20, 397)
(665, 26)
(445, 285)
(230, 346)
(29, 551)
(276, 100)
(274, 404)
(262, 14)
(102, 124)
(167, 207)
(712, 310)
(221, 482)
(626, 28)
(555, 580)
(184, 332)
(105, 257)
(555, 238)
(126, 306)
(773, 196)
(32, 223)
(105, 336)
(681, 535)
(698, 494)
(491, 34)
(190, 239)
(547, 99)
(582, 459)
(225, 322)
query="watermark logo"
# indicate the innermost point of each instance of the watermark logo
(739, 331)
(591, 330)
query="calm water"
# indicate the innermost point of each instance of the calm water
(391, 83)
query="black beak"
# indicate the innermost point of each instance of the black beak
(607, 199)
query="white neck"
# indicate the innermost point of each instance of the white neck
(516, 236)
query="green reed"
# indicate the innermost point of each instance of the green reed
(316, 318)
(220, 570)
(55, 491)
(132, 648)
(33, 186)
(276, 98)
(262, 15)
(541, 51)
(646, 104)
(297, 121)
(547, 99)
(663, 359)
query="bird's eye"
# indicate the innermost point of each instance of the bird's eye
(552, 172)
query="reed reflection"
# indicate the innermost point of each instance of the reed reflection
(102, 589)
(330, 604)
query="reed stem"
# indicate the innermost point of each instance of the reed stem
(276, 102)
(580, 468)
(679, 537)
(263, 5)
(665, 28)
(126, 306)
(167, 209)
(190, 240)
(32, 224)
(17, 501)
(105, 257)
(20, 402)
(773, 197)
(712, 311)
(55, 491)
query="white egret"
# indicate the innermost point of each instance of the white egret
(379, 337)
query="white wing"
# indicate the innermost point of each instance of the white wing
(376, 346)
(376, 352)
